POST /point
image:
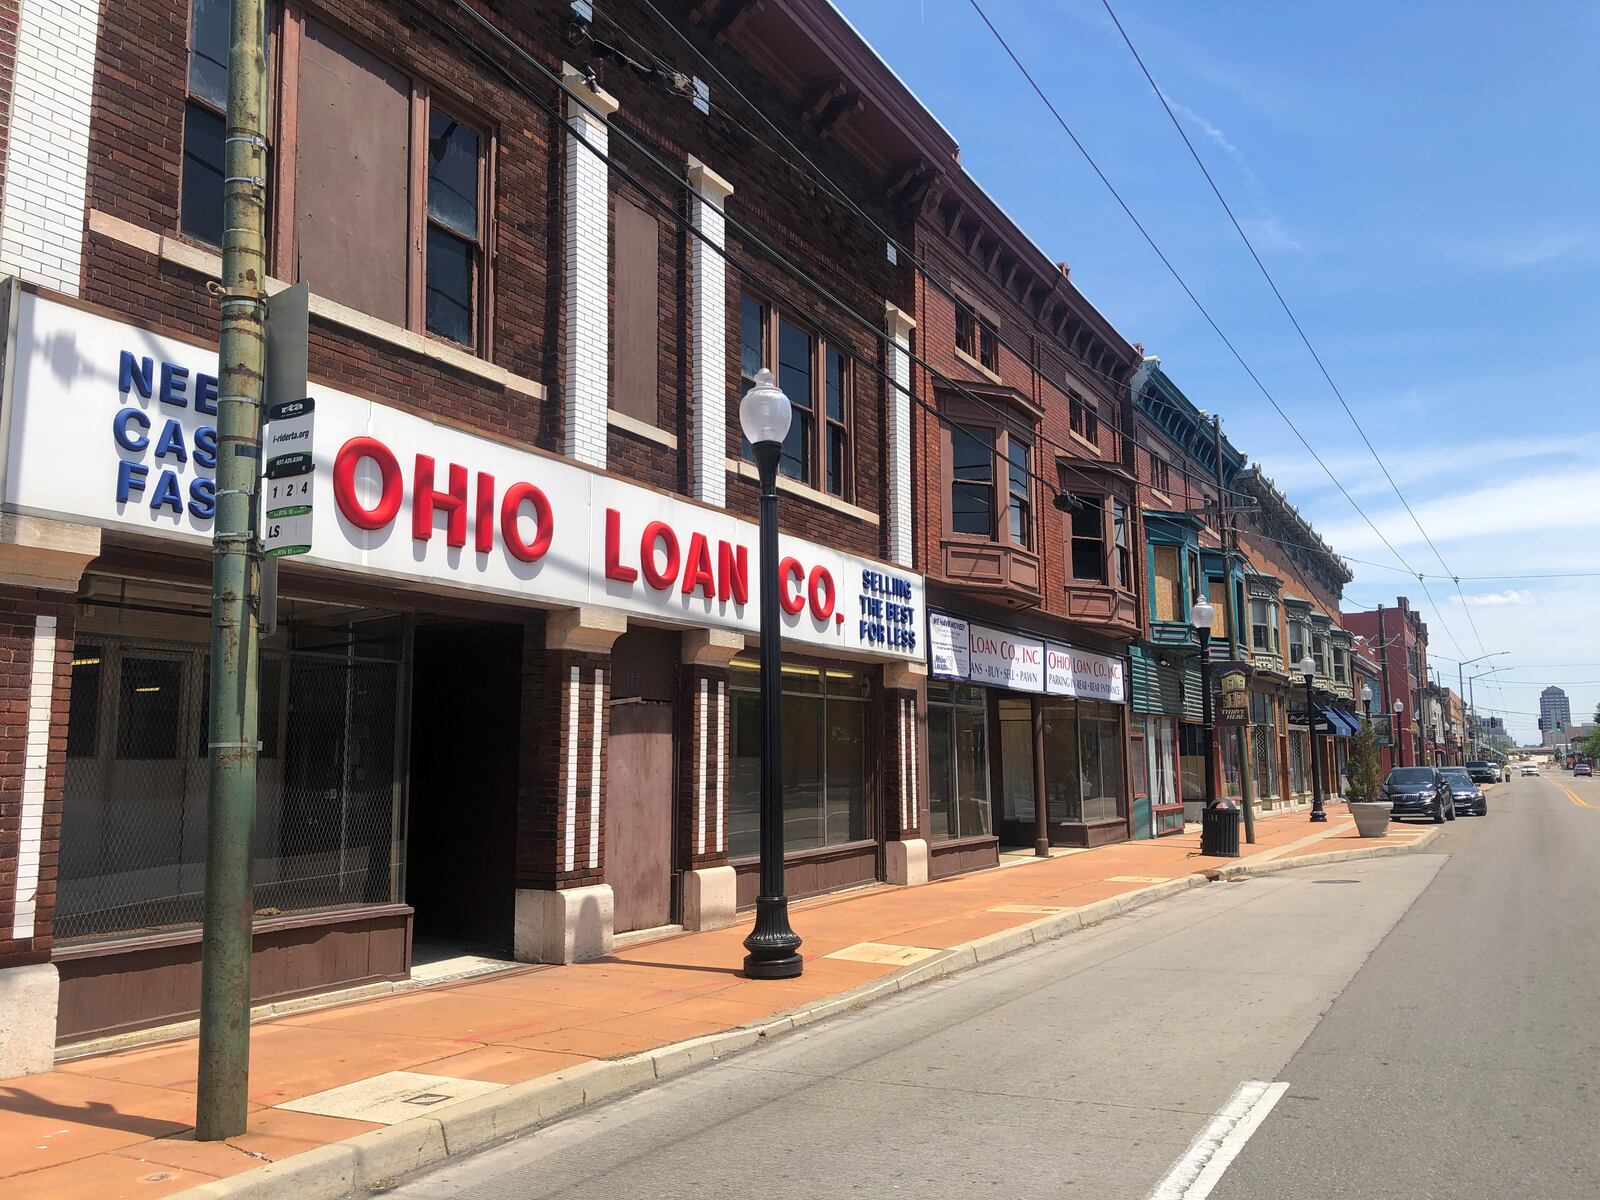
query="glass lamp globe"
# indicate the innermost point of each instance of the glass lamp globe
(1202, 614)
(1308, 665)
(1399, 707)
(765, 412)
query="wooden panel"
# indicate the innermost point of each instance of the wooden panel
(814, 872)
(638, 846)
(1167, 586)
(636, 312)
(956, 858)
(113, 988)
(644, 664)
(352, 189)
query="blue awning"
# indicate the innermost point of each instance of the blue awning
(1343, 724)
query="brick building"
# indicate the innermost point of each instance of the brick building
(509, 705)
(1027, 538)
(1398, 637)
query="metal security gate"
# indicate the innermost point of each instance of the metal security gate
(133, 833)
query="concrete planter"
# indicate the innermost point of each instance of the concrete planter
(1372, 817)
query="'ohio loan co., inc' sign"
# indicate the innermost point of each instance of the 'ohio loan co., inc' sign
(110, 425)
(965, 650)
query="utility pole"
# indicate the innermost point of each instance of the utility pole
(1241, 732)
(235, 578)
(1383, 693)
(1416, 723)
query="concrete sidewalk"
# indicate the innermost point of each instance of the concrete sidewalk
(358, 1092)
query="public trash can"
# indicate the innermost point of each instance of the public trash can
(1219, 830)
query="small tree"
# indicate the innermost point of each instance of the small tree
(1364, 769)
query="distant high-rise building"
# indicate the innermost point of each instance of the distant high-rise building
(1554, 709)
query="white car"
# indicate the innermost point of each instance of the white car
(1530, 768)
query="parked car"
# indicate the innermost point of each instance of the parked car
(1583, 768)
(1530, 769)
(1468, 796)
(1483, 772)
(1419, 792)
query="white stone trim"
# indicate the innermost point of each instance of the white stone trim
(208, 263)
(914, 817)
(747, 470)
(899, 326)
(642, 429)
(47, 157)
(586, 386)
(702, 706)
(901, 748)
(594, 766)
(569, 805)
(708, 323)
(722, 764)
(36, 760)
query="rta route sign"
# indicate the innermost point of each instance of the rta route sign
(287, 477)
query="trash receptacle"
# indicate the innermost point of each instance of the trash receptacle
(1219, 830)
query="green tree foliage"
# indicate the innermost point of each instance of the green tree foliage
(1364, 768)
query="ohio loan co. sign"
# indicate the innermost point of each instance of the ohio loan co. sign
(114, 426)
(961, 649)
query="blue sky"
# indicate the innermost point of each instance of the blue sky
(1420, 179)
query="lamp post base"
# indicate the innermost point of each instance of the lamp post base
(1318, 814)
(774, 948)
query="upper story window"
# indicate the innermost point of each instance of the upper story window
(1341, 664)
(1299, 638)
(1319, 651)
(1160, 473)
(384, 207)
(1121, 552)
(1021, 514)
(1167, 590)
(815, 375)
(991, 482)
(972, 481)
(976, 337)
(1089, 539)
(1264, 633)
(1084, 418)
(205, 122)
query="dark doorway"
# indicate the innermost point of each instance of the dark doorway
(461, 814)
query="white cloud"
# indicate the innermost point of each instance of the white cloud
(1530, 248)
(1515, 596)
(1268, 233)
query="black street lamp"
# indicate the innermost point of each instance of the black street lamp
(1394, 731)
(774, 948)
(1366, 700)
(1201, 615)
(1308, 668)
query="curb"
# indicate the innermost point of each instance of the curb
(376, 1159)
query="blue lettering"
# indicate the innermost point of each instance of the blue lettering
(202, 498)
(167, 494)
(205, 395)
(174, 385)
(170, 443)
(205, 448)
(134, 373)
(119, 429)
(130, 478)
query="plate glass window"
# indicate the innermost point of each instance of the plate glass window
(958, 762)
(1021, 512)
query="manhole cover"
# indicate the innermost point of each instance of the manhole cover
(1336, 881)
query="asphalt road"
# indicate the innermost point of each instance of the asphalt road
(1463, 1060)
(1431, 1015)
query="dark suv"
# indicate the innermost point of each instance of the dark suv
(1483, 772)
(1420, 792)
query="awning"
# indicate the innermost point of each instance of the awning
(1342, 723)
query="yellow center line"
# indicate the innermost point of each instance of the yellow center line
(1574, 797)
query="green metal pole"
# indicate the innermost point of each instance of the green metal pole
(1241, 733)
(235, 579)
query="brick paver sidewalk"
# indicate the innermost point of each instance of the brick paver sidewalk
(119, 1124)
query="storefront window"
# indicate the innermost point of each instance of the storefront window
(1163, 738)
(1083, 755)
(1299, 773)
(1016, 759)
(958, 762)
(1063, 786)
(823, 744)
(1192, 760)
(134, 805)
(1228, 754)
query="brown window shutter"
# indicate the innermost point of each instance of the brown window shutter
(352, 175)
(636, 312)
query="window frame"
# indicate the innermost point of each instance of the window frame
(283, 238)
(1102, 540)
(1003, 431)
(1083, 418)
(1160, 473)
(984, 339)
(773, 318)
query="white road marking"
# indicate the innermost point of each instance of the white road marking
(1211, 1153)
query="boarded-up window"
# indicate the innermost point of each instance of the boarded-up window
(637, 313)
(1168, 583)
(1219, 607)
(352, 175)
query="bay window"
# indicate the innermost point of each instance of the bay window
(815, 375)
(1264, 633)
(1021, 509)
(972, 481)
(978, 507)
(1122, 554)
(1089, 539)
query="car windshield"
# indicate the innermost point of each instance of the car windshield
(1471, 765)
(1410, 776)
(1457, 776)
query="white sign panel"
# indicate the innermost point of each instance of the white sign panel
(287, 479)
(1001, 658)
(404, 498)
(1081, 673)
(947, 646)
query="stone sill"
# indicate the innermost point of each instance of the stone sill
(208, 263)
(747, 470)
(641, 429)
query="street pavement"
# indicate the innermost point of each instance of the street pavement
(1463, 1060)
(1080, 1068)
(1433, 1017)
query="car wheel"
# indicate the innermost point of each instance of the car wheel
(1483, 808)
(1438, 812)
(1450, 813)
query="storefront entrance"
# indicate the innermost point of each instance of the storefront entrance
(460, 837)
(639, 777)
